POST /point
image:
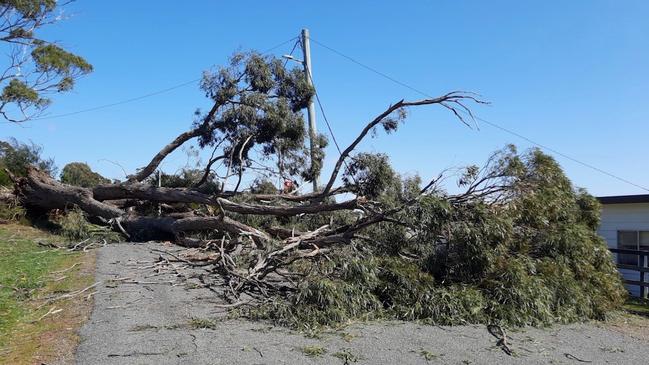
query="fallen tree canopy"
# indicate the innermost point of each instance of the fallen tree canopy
(517, 245)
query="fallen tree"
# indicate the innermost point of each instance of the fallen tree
(517, 235)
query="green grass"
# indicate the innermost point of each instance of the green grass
(637, 306)
(313, 351)
(24, 266)
(202, 323)
(428, 355)
(29, 275)
(347, 356)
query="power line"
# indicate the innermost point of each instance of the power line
(119, 102)
(371, 69)
(137, 98)
(279, 45)
(585, 164)
(495, 125)
(298, 41)
(324, 116)
(333, 137)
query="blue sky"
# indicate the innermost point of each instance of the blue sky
(572, 75)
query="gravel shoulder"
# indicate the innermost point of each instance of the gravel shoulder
(143, 316)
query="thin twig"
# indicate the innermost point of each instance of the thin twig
(52, 311)
(69, 295)
(573, 357)
(66, 270)
(502, 338)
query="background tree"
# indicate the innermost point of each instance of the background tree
(80, 174)
(17, 157)
(35, 68)
(186, 178)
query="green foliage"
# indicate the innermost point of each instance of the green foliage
(19, 92)
(347, 356)
(589, 209)
(52, 58)
(258, 104)
(263, 186)
(30, 9)
(16, 157)
(186, 178)
(11, 211)
(313, 350)
(35, 68)
(80, 174)
(373, 288)
(537, 259)
(429, 355)
(369, 175)
(202, 323)
(75, 227)
(526, 254)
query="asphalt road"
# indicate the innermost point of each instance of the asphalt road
(145, 315)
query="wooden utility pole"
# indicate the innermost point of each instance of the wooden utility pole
(313, 131)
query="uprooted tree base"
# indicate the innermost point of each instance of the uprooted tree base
(516, 246)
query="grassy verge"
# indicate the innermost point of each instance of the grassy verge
(33, 330)
(637, 306)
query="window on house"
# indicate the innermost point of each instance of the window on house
(644, 240)
(632, 240)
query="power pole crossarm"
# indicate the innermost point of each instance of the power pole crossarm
(313, 131)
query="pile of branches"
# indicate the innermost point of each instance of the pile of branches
(367, 240)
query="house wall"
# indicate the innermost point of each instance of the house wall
(621, 217)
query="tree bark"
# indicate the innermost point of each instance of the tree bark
(141, 191)
(39, 190)
(186, 195)
(172, 228)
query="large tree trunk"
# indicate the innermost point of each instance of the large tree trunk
(38, 190)
(187, 195)
(173, 228)
(149, 192)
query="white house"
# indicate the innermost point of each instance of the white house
(625, 224)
